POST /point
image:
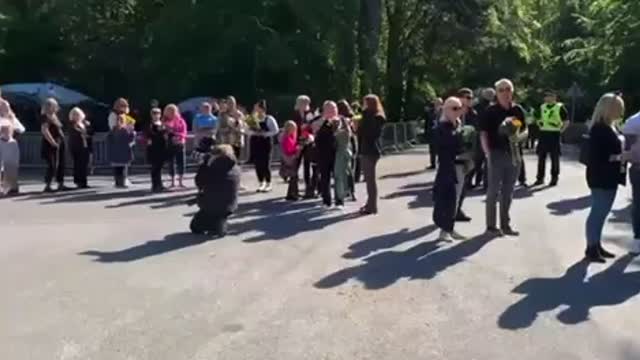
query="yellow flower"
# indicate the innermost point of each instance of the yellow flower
(517, 123)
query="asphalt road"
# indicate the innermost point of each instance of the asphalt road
(108, 275)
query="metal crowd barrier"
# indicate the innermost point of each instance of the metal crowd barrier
(396, 136)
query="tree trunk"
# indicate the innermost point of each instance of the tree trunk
(395, 62)
(369, 44)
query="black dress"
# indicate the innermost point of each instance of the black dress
(325, 155)
(449, 143)
(81, 146)
(54, 156)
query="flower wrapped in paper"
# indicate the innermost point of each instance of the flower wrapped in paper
(512, 128)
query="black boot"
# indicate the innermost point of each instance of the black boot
(604, 253)
(593, 255)
(553, 182)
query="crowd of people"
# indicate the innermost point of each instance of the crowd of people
(484, 145)
(471, 144)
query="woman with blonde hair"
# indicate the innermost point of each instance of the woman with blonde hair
(449, 181)
(53, 146)
(606, 170)
(177, 136)
(120, 107)
(81, 146)
(369, 133)
(7, 114)
(9, 149)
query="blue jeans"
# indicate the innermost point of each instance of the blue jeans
(634, 179)
(601, 204)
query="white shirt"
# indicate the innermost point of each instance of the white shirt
(631, 131)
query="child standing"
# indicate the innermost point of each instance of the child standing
(290, 159)
(120, 142)
(344, 157)
(9, 159)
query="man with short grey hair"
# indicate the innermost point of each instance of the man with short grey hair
(502, 128)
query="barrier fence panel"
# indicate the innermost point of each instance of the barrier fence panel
(395, 136)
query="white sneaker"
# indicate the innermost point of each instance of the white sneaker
(445, 236)
(457, 236)
(267, 187)
(635, 247)
(262, 187)
(340, 207)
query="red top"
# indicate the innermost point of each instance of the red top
(289, 144)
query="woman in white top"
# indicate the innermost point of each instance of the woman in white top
(9, 150)
(262, 133)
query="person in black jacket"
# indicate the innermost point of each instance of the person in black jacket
(325, 141)
(488, 96)
(449, 181)
(157, 148)
(81, 146)
(218, 181)
(606, 170)
(53, 147)
(432, 115)
(369, 133)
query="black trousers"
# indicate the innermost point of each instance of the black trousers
(55, 165)
(261, 157)
(325, 166)
(433, 155)
(444, 207)
(156, 174)
(119, 175)
(478, 173)
(522, 177)
(80, 166)
(549, 144)
(292, 190)
(310, 172)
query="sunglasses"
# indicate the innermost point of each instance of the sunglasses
(456, 108)
(506, 89)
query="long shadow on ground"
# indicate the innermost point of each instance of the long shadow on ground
(421, 194)
(610, 287)
(386, 241)
(568, 206)
(423, 261)
(170, 243)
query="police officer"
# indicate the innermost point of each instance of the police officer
(554, 118)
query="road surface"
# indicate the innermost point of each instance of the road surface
(108, 275)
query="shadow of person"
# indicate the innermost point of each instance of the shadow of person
(283, 224)
(422, 194)
(422, 261)
(386, 241)
(170, 243)
(621, 216)
(567, 206)
(158, 202)
(403, 174)
(610, 287)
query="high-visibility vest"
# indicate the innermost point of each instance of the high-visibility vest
(550, 119)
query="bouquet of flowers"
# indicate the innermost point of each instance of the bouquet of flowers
(252, 122)
(511, 127)
(468, 138)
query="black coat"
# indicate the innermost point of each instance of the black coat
(449, 143)
(218, 180)
(602, 173)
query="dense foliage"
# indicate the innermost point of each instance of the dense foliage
(406, 50)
